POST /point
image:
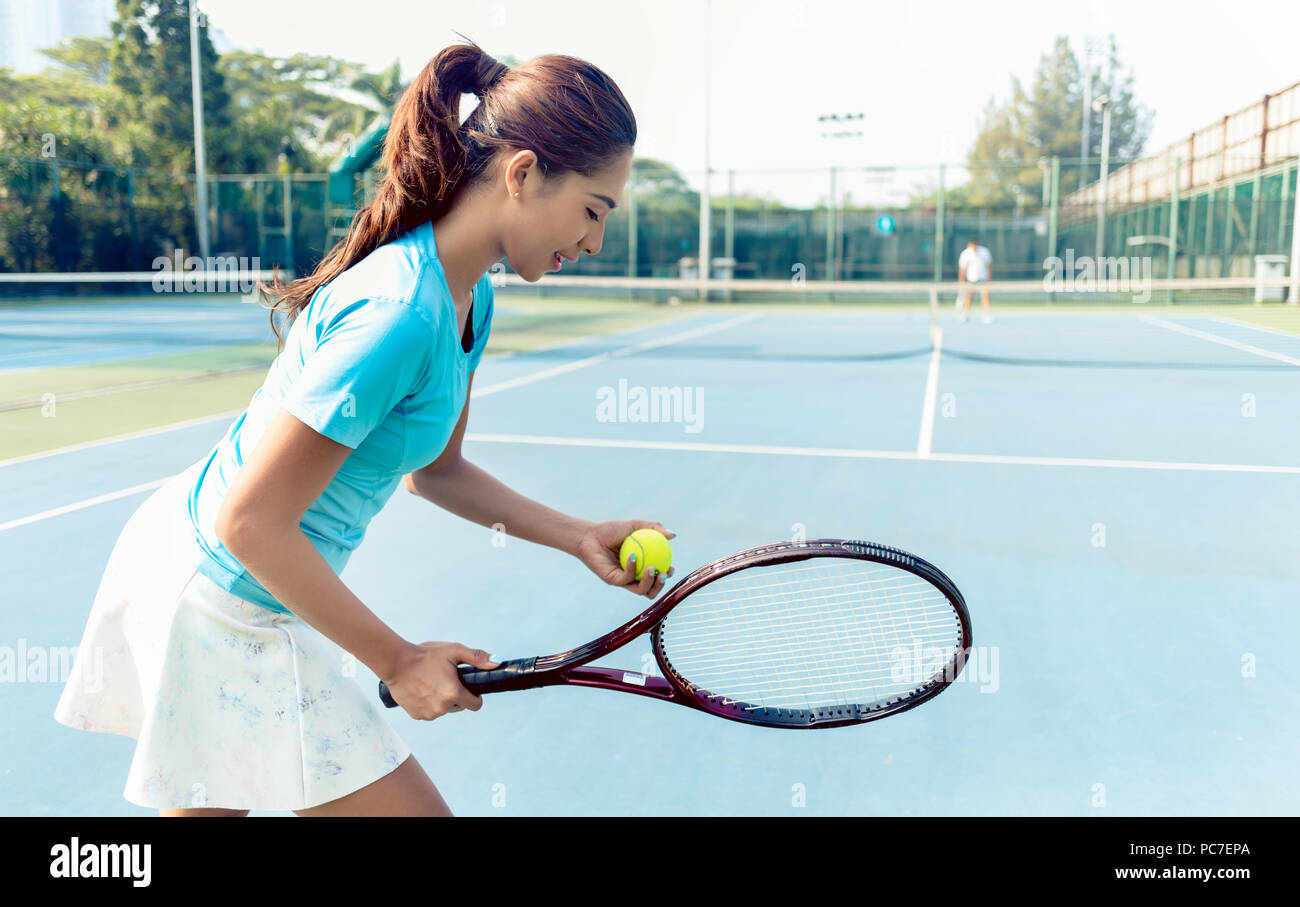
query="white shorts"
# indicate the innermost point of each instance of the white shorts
(231, 704)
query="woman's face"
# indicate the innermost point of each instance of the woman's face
(555, 220)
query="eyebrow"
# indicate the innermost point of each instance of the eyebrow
(604, 198)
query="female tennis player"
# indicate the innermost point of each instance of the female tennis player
(221, 633)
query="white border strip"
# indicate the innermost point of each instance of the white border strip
(1215, 338)
(1290, 335)
(696, 447)
(853, 453)
(144, 433)
(83, 505)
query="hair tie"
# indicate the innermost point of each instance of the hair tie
(488, 73)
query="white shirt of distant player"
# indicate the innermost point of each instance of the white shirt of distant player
(976, 261)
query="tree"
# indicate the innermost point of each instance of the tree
(1046, 120)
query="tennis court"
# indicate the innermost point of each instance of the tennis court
(1113, 487)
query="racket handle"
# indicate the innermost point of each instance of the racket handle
(511, 675)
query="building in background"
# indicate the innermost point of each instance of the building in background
(28, 26)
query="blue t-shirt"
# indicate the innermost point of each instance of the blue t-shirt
(374, 362)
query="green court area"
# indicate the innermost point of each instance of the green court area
(47, 407)
(51, 406)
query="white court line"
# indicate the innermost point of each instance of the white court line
(926, 437)
(1215, 338)
(144, 433)
(1290, 335)
(697, 447)
(851, 453)
(82, 505)
(601, 357)
(854, 453)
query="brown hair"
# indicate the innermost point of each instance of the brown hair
(568, 112)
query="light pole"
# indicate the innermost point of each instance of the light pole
(1102, 106)
(200, 158)
(705, 199)
(1091, 44)
(832, 207)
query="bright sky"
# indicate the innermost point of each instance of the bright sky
(921, 70)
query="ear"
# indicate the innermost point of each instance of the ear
(518, 169)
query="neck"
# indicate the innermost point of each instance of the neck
(467, 244)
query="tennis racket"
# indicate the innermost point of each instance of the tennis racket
(811, 634)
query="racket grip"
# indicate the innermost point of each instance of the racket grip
(511, 675)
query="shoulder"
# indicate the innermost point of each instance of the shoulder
(395, 282)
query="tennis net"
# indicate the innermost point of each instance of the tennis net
(119, 286)
(1230, 291)
(1227, 323)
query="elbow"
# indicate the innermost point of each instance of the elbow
(424, 482)
(233, 528)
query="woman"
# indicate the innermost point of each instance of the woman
(221, 634)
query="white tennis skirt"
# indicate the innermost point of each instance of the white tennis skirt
(231, 705)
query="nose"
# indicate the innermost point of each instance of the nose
(594, 239)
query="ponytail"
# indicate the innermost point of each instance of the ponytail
(564, 109)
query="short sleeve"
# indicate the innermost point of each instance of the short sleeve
(484, 327)
(367, 358)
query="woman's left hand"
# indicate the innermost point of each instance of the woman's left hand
(599, 547)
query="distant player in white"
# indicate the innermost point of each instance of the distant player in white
(975, 265)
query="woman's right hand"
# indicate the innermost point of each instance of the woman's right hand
(427, 683)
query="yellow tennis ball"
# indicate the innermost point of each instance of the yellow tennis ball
(650, 547)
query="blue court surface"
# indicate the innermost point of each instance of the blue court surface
(1115, 495)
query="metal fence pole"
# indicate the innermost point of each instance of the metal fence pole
(1293, 296)
(938, 228)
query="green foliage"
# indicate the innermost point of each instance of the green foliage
(1045, 119)
(97, 152)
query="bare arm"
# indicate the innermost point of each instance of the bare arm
(460, 487)
(259, 523)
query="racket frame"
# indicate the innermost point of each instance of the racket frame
(572, 668)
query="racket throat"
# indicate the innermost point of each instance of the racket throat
(621, 681)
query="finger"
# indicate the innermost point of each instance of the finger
(476, 657)
(647, 580)
(660, 528)
(659, 585)
(629, 572)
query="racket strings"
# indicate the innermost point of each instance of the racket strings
(821, 633)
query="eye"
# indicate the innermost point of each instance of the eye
(593, 215)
